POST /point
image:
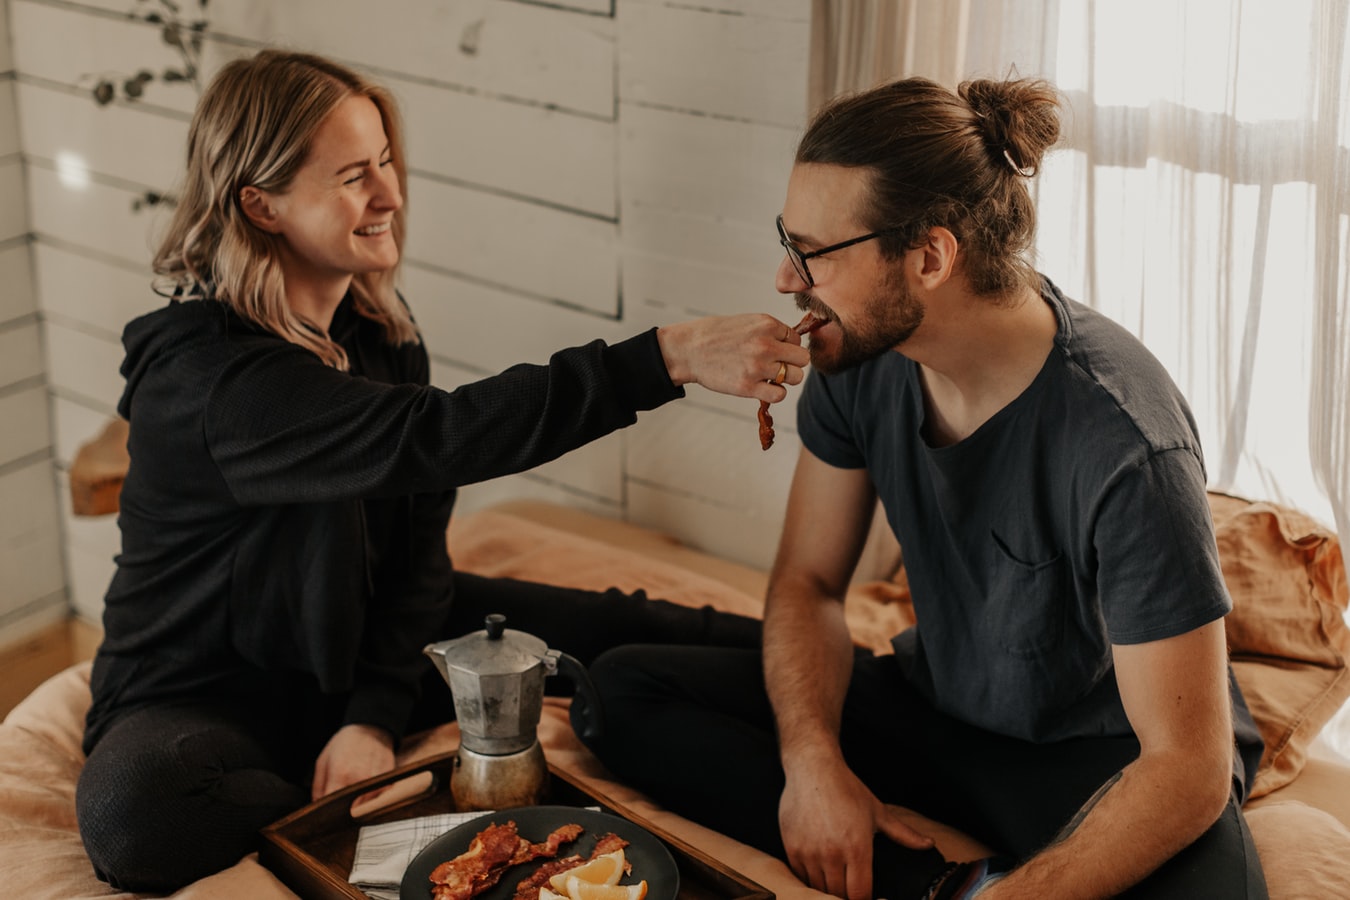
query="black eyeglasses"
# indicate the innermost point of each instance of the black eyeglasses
(799, 258)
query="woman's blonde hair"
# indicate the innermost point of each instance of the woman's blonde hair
(255, 126)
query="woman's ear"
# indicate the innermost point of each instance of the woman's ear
(258, 207)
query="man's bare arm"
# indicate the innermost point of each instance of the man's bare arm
(1175, 692)
(808, 654)
(827, 815)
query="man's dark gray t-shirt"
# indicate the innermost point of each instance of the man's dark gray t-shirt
(1074, 519)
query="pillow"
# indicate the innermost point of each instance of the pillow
(1303, 850)
(1287, 635)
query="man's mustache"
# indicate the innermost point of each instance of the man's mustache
(808, 303)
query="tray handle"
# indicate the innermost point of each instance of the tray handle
(336, 811)
(402, 783)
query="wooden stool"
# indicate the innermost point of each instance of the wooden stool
(99, 468)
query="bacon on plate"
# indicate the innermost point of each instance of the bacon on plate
(528, 889)
(492, 851)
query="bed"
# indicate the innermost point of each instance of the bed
(1287, 636)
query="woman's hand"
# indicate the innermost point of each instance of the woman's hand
(354, 753)
(749, 355)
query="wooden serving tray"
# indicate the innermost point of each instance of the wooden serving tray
(312, 849)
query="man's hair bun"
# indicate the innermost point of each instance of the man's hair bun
(1019, 119)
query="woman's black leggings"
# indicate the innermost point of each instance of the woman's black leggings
(699, 737)
(175, 792)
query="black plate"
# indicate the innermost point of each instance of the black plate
(650, 859)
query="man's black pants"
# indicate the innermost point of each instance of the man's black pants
(693, 728)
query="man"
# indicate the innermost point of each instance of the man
(1065, 697)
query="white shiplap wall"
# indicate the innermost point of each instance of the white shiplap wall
(578, 169)
(32, 587)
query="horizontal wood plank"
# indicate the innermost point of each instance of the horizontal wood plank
(536, 54)
(597, 7)
(81, 138)
(84, 364)
(484, 328)
(74, 422)
(6, 54)
(529, 487)
(788, 10)
(517, 245)
(62, 43)
(20, 354)
(102, 295)
(13, 200)
(524, 150)
(95, 216)
(24, 412)
(701, 264)
(712, 455)
(724, 531)
(91, 545)
(749, 67)
(9, 132)
(90, 571)
(18, 298)
(728, 169)
(30, 545)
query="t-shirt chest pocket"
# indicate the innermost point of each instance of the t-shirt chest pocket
(1025, 606)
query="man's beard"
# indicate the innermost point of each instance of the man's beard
(889, 317)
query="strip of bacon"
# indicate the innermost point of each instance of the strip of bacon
(492, 851)
(528, 889)
(808, 324)
(563, 834)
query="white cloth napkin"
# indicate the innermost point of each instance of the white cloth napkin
(384, 852)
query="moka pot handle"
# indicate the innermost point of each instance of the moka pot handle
(587, 716)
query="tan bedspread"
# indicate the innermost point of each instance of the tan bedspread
(1306, 851)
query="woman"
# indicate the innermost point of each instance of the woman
(283, 520)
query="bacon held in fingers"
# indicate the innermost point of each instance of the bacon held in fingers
(765, 426)
(808, 324)
(492, 851)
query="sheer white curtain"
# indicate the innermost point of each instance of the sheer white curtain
(1201, 196)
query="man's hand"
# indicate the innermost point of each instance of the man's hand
(828, 817)
(354, 753)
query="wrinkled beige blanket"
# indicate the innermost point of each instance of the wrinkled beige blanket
(1306, 851)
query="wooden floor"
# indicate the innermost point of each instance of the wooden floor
(26, 664)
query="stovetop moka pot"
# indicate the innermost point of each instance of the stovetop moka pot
(496, 679)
